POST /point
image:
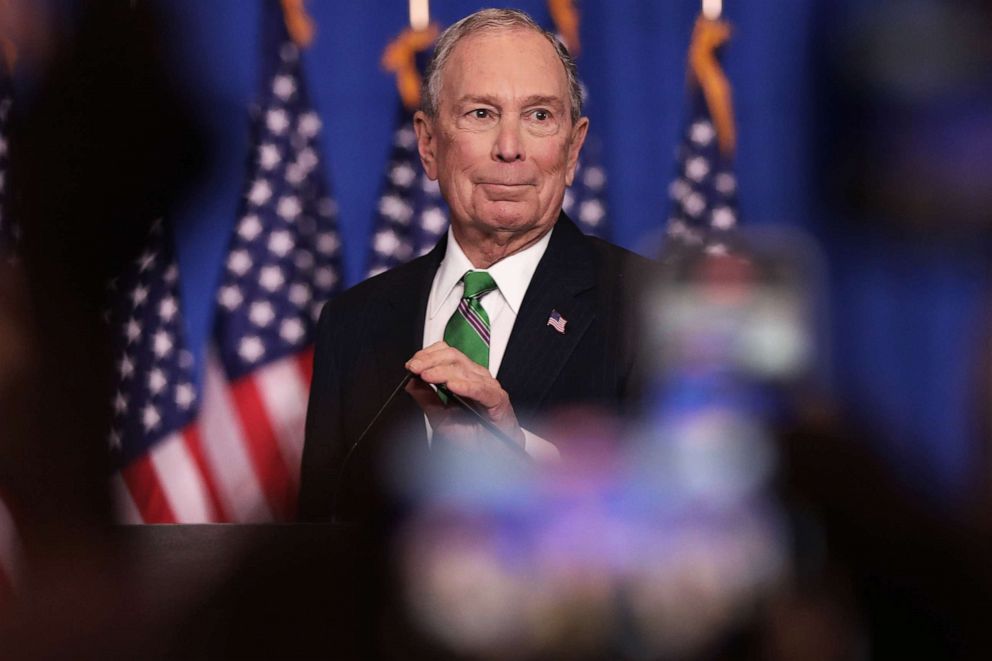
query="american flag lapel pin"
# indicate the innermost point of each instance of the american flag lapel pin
(557, 321)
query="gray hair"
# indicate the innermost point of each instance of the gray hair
(493, 20)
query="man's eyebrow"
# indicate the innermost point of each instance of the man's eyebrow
(542, 100)
(533, 100)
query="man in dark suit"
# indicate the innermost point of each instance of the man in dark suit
(514, 310)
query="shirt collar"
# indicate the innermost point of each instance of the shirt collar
(512, 274)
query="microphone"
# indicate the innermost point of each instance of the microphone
(462, 403)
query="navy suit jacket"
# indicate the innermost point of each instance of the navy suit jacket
(366, 335)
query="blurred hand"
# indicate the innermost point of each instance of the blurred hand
(442, 365)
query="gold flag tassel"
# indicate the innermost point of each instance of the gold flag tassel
(566, 19)
(704, 68)
(298, 22)
(400, 57)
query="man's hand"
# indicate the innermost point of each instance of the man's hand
(440, 364)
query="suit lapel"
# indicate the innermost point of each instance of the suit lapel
(564, 281)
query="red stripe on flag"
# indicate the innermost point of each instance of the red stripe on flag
(263, 449)
(191, 436)
(146, 491)
(305, 361)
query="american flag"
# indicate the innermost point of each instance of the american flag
(557, 321)
(703, 194)
(410, 216)
(163, 476)
(283, 263)
(232, 453)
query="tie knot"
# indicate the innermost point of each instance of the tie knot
(477, 284)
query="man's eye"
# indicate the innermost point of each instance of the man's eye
(542, 115)
(480, 113)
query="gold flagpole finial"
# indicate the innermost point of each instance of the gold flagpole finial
(400, 57)
(420, 14)
(712, 9)
(298, 22)
(566, 19)
(707, 36)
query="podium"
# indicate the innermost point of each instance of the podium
(260, 591)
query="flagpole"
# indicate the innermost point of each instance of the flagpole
(712, 9)
(420, 14)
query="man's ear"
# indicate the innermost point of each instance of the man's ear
(424, 127)
(575, 146)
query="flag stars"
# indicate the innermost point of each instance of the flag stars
(289, 208)
(299, 294)
(171, 274)
(309, 125)
(725, 183)
(146, 261)
(162, 343)
(594, 178)
(230, 297)
(694, 204)
(277, 121)
(239, 262)
(292, 330)
(696, 168)
(724, 218)
(591, 212)
(114, 439)
(168, 308)
(150, 417)
(185, 395)
(271, 278)
(283, 87)
(402, 175)
(386, 242)
(132, 330)
(307, 159)
(125, 367)
(156, 381)
(702, 133)
(395, 208)
(249, 227)
(139, 295)
(325, 277)
(295, 174)
(251, 349)
(434, 220)
(269, 156)
(328, 243)
(120, 403)
(281, 243)
(260, 192)
(405, 137)
(261, 313)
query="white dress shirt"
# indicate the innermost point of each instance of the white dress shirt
(512, 276)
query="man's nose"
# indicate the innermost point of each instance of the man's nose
(508, 146)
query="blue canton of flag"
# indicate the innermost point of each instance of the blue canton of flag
(152, 439)
(703, 195)
(8, 230)
(283, 263)
(411, 215)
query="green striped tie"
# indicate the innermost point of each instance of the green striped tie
(468, 328)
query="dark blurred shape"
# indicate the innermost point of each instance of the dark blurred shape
(98, 150)
(909, 114)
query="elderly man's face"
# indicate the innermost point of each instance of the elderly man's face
(502, 146)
